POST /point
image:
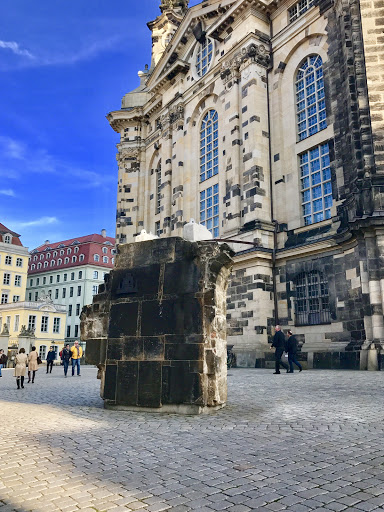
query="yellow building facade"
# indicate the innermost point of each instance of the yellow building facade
(25, 323)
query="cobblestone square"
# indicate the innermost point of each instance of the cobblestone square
(301, 442)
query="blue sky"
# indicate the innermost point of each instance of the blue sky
(64, 64)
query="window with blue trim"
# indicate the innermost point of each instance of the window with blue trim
(209, 146)
(316, 187)
(204, 56)
(310, 98)
(209, 209)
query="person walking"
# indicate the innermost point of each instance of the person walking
(66, 355)
(292, 348)
(20, 368)
(3, 360)
(51, 356)
(279, 345)
(33, 365)
(77, 354)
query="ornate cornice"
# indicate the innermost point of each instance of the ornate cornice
(254, 53)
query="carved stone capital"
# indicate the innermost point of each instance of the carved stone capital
(258, 53)
(126, 155)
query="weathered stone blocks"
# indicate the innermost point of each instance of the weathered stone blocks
(157, 328)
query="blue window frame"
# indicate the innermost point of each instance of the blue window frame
(209, 146)
(209, 209)
(310, 100)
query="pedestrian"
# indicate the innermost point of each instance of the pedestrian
(3, 360)
(279, 345)
(33, 365)
(51, 356)
(66, 355)
(21, 366)
(77, 353)
(292, 347)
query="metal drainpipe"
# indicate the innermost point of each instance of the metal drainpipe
(270, 186)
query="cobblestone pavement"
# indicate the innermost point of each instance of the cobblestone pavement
(301, 442)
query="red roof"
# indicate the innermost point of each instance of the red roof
(85, 250)
(15, 236)
(99, 239)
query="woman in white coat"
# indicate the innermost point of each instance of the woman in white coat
(21, 367)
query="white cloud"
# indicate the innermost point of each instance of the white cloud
(7, 192)
(42, 221)
(16, 159)
(16, 49)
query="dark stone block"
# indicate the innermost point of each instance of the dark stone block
(184, 352)
(127, 382)
(132, 348)
(153, 348)
(115, 349)
(180, 386)
(133, 282)
(110, 382)
(123, 320)
(149, 384)
(182, 317)
(187, 281)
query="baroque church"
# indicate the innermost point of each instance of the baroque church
(263, 121)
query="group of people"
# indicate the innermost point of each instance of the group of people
(32, 361)
(281, 345)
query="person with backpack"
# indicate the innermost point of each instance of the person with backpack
(292, 348)
(66, 355)
(278, 344)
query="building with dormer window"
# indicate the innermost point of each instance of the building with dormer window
(263, 120)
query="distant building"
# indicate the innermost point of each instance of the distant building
(25, 323)
(70, 272)
(13, 266)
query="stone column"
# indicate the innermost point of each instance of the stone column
(375, 295)
(166, 175)
(4, 342)
(157, 328)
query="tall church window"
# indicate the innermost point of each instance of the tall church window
(316, 187)
(158, 188)
(209, 146)
(204, 56)
(209, 209)
(312, 299)
(310, 100)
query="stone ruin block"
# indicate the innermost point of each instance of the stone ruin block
(157, 328)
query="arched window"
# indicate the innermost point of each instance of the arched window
(105, 259)
(310, 101)
(41, 256)
(69, 251)
(74, 259)
(45, 264)
(61, 252)
(209, 146)
(96, 257)
(204, 56)
(48, 255)
(55, 254)
(81, 257)
(53, 263)
(59, 261)
(312, 299)
(105, 250)
(35, 258)
(66, 260)
(33, 266)
(76, 249)
(39, 265)
(158, 187)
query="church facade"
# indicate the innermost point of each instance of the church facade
(263, 120)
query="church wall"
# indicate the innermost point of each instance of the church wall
(256, 106)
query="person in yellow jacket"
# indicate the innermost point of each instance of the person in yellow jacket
(77, 354)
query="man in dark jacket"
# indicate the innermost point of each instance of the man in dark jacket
(66, 355)
(51, 356)
(292, 348)
(279, 345)
(3, 360)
